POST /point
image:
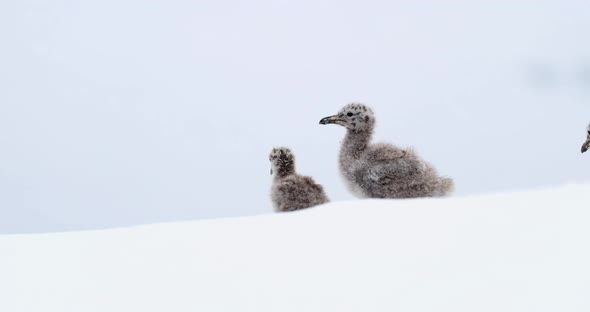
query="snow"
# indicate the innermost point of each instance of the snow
(520, 251)
(125, 112)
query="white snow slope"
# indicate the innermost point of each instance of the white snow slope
(507, 252)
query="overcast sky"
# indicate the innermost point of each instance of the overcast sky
(123, 112)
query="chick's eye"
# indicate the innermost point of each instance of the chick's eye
(349, 114)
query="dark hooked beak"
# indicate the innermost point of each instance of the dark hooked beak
(586, 146)
(329, 120)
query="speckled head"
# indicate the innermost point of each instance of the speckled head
(282, 161)
(354, 116)
(586, 144)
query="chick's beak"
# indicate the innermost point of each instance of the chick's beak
(329, 120)
(586, 146)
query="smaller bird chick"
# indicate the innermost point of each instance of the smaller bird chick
(289, 190)
(586, 144)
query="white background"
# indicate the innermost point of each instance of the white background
(122, 112)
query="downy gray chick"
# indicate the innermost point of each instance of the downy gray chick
(382, 170)
(586, 144)
(290, 191)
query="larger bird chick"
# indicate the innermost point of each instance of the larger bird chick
(382, 170)
(289, 190)
(586, 144)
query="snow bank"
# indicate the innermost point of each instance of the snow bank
(506, 252)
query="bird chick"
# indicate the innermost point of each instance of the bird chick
(382, 170)
(289, 190)
(586, 144)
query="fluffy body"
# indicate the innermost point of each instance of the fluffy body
(290, 191)
(382, 170)
(586, 144)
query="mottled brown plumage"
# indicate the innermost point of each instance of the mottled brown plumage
(382, 170)
(289, 190)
